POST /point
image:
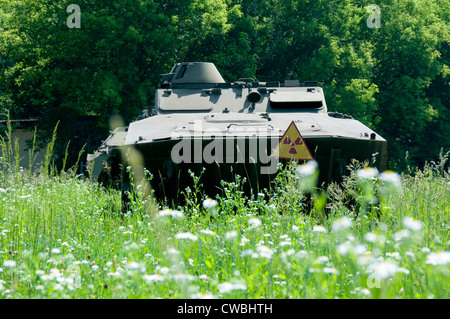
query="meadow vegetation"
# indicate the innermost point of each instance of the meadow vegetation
(374, 236)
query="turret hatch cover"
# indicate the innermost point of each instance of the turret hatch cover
(297, 96)
(184, 100)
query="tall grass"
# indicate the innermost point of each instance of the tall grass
(62, 236)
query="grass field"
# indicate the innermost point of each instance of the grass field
(62, 236)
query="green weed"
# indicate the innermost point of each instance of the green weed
(373, 236)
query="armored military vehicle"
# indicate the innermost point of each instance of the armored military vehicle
(200, 122)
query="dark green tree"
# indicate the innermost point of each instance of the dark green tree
(412, 73)
(109, 65)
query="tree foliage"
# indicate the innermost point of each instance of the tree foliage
(394, 78)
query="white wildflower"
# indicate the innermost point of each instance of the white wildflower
(254, 222)
(230, 235)
(385, 269)
(186, 235)
(344, 248)
(208, 232)
(228, 287)
(404, 233)
(412, 224)
(265, 252)
(52, 261)
(40, 272)
(348, 248)
(365, 292)
(247, 252)
(438, 258)
(132, 265)
(205, 295)
(301, 254)
(341, 223)
(395, 255)
(365, 258)
(113, 274)
(9, 264)
(322, 259)
(370, 237)
(164, 270)
(285, 243)
(203, 277)
(243, 241)
(55, 272)
(46, 277)
(390, 177)
(153, 278)
(58, 287)
(182, 277)
(329, 270)
(169, 212)
(367, 173)
(307, 169)
(319, 229)
(360, 249)
(209, 203)
(173, 251)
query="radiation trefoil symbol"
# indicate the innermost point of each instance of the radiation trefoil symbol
(292, 145)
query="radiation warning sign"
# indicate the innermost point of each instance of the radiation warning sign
(292, 145)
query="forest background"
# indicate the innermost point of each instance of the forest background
(386, 64)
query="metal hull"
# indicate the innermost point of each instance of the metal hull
(333, 154)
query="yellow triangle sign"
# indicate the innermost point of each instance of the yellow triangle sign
(292, 145)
